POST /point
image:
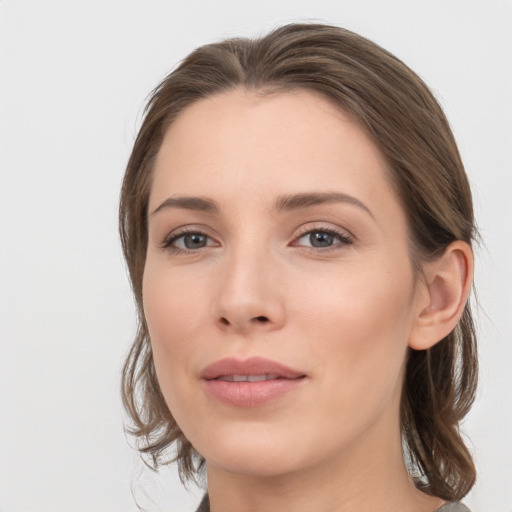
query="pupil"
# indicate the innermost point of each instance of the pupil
(320, 239)
(195, 241)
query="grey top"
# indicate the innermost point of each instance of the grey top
(447, 507)
(204, 506)
(453, 507)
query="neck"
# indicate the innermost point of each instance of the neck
(371, 476)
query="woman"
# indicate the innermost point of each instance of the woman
(297, 225)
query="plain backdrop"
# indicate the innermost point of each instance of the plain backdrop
(73, 79)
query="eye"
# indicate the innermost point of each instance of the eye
(188, 241)
(323, 239)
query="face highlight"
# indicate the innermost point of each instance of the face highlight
(278, 288)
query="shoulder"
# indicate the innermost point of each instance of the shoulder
(204, 506)
(453, 507)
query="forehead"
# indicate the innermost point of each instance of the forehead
(241, 143)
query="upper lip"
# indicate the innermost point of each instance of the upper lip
(251, 366)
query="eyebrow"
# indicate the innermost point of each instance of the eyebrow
(201, 204)
(283, 203)
(297, 201)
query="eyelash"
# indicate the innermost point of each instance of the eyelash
(173, 237)
(344, 240)
(343, 237)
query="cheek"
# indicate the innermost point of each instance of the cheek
(357, 297)
(173, 300)
(173, 310)
(361, 320)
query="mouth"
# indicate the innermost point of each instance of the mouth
(254, 369)
(248, 378)
(251, 382)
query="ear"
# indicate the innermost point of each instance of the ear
(442, 295)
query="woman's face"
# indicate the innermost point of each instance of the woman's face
(278, 288)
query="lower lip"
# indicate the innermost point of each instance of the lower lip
(251, 394)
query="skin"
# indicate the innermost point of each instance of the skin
(343, 314)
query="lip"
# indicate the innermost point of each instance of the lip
(281, 380)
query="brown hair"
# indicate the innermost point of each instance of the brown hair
(401, 115)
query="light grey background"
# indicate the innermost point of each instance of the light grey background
(73, 79)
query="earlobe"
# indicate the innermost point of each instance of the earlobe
(445, 291)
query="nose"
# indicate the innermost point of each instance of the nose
(250, 295)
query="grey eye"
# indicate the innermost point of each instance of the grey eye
(190, 241)
(321, 239)
(324, 239)
(194, 240)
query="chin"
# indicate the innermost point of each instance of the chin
(253, 463)
(250, 453)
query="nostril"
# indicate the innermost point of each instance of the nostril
(257, 319)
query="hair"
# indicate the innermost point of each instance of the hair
(395, 107)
